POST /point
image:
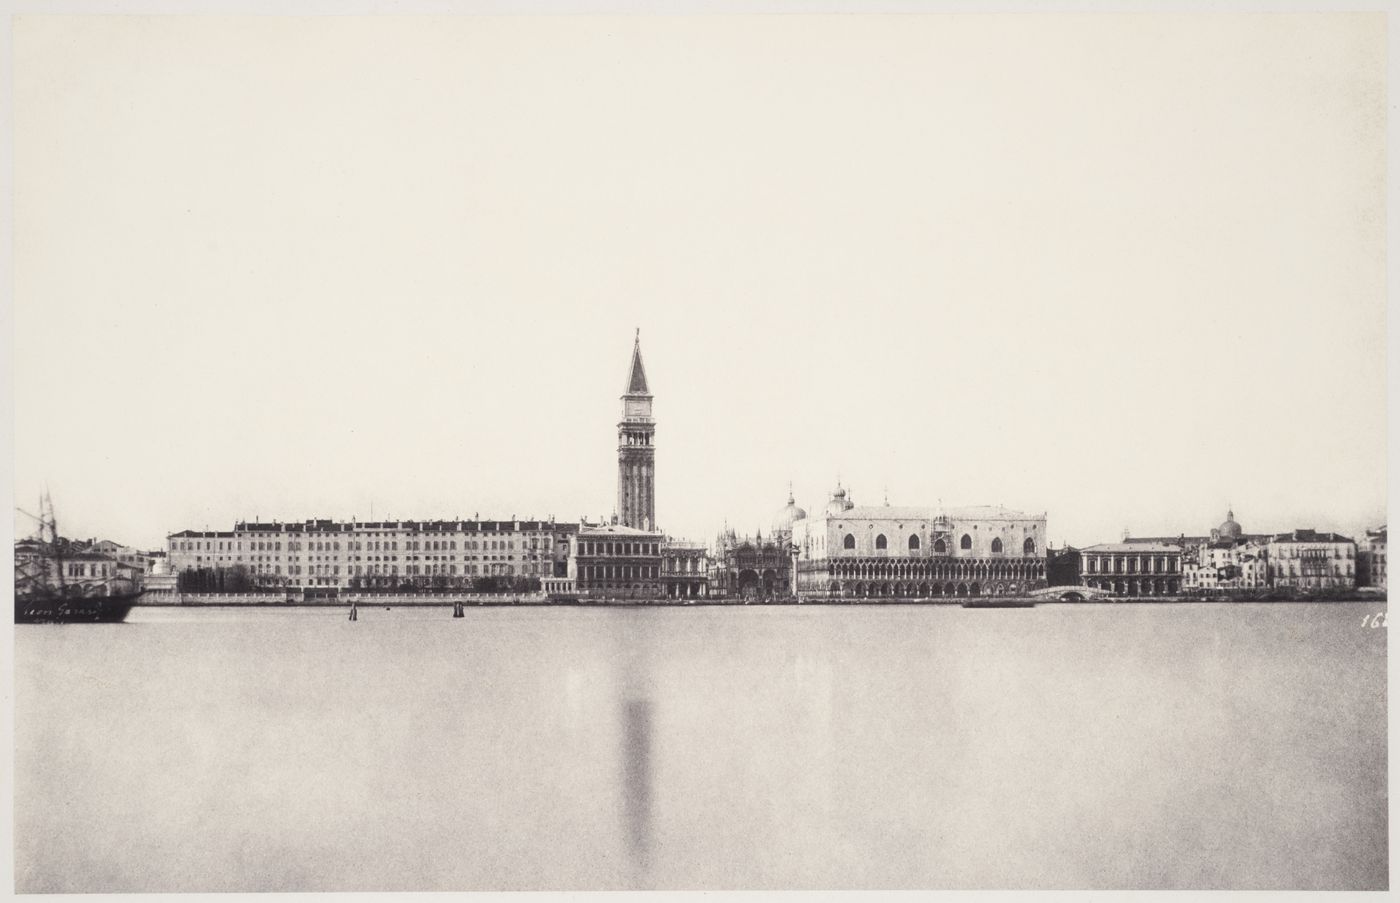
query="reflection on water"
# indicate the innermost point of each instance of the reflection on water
(636, 763)
(1190, 746)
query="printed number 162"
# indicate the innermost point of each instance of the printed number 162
(1375, 620)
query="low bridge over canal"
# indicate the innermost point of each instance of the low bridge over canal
(1070, 594)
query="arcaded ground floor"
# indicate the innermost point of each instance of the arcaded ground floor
(917, 578)
(1136, 586)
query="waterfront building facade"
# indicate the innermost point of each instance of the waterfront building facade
(91, 570)
(752, 567)
(619, 562)
(1132, 568)
(1226, 565)
(636, 450)
(141, 561)
(758, 567)
(1229, 560)
(1306, 559)
(84, 572)
(894, 552)
(380, 554)
(1370, 559)
(87, 568)
(685, 569)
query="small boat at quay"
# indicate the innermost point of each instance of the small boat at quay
(45, 595)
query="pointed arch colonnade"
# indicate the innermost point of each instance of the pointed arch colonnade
(919, 578)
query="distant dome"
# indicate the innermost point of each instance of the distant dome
(1230, 529)
(783, 520)
(839, 503)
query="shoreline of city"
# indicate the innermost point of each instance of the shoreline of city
(449, 600)
(841, 553)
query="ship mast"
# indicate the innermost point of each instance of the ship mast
(49, 546)
(48, 519)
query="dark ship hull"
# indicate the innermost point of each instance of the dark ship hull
(46, 608)
(999, 602)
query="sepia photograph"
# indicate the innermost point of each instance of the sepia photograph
(732, 448)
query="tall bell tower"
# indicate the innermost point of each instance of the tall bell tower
(636, 454)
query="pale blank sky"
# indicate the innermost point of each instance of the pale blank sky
(1123, 269)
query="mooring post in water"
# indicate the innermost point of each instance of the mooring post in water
(457, 610)
(354, 614)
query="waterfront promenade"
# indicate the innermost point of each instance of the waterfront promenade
(1068, 595)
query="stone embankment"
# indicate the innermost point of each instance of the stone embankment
(286, 600)
(450, 599)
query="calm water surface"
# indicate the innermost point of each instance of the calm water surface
(1137, 746)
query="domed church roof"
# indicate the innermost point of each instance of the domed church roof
(1230, 529)
(783, 520)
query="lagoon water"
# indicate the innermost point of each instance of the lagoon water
(1091, 746)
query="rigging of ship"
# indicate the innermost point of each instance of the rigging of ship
(44, 592)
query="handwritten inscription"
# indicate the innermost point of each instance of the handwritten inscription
(1375, 620)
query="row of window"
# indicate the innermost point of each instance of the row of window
(1314, 569)
(238, 557)
(333, 570)
(1150, 564)
(619, 572)
(376, 545)
(587, 547)
(940, 547)
(1314, 553)
(471, 570)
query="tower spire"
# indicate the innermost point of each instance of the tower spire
(637, 375)
(636, 459)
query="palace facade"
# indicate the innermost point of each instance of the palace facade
(1306, 559)
(616, 561)
(1132, 568)
(685, 569)
(881, 551)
